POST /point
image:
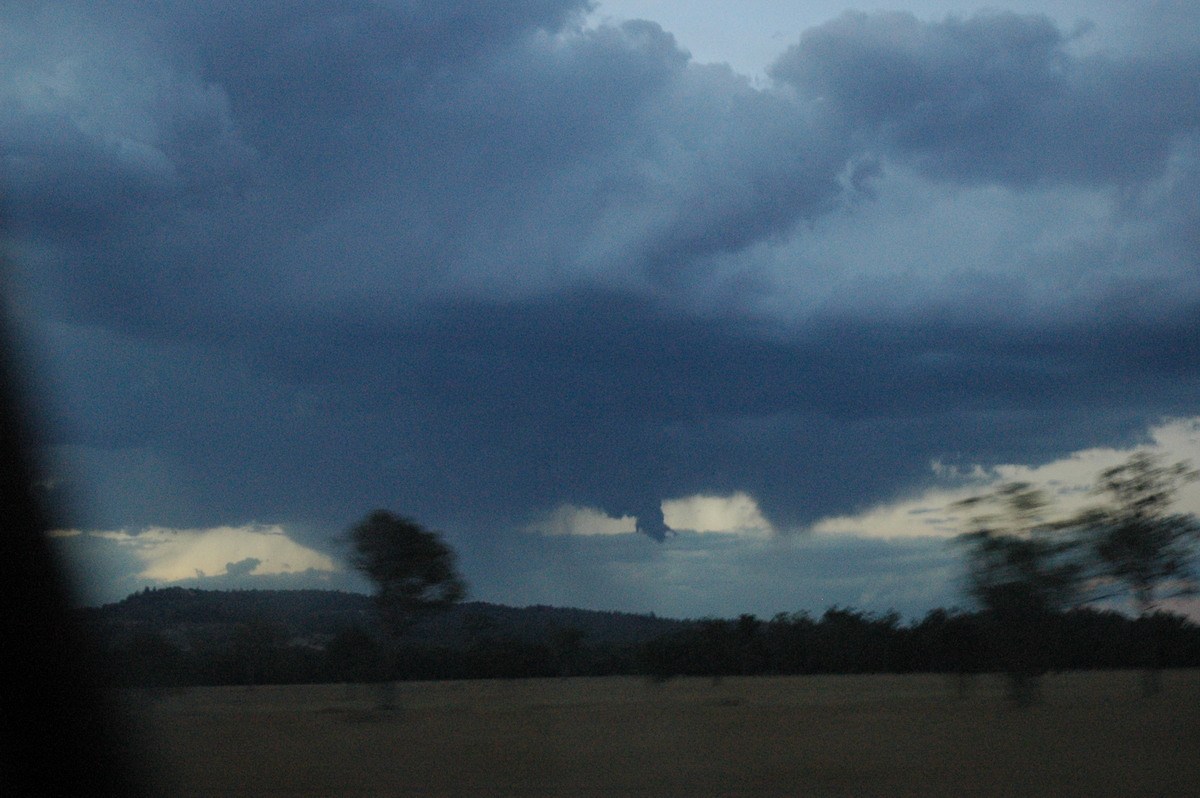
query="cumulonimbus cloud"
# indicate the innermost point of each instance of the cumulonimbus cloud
(474, 263)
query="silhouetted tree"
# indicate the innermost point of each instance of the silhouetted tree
(751, 648)
(1139, 544)
(717, 648)
(950, 643)
(790, 643)
(412, 569)
(1022, 569)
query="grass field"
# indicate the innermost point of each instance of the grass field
(788, 736)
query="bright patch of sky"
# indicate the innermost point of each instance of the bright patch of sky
(1067, 481)
(571, 520)
(173, 555)
(893, 556)
(738, 513)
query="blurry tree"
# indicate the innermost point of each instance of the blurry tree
(1141, 546)
(412, 569)
(1022, 569)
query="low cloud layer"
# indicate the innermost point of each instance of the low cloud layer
(170, 555)
(719, 559)
(479, 263)
(695, 574)
(111, 564)
(1069, 484)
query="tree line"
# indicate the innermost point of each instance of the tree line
(841, 640)
(1038, 582)
(1027, 564)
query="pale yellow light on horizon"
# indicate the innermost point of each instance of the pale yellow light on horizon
(173, 555)
(1067, 481)
(735, 514)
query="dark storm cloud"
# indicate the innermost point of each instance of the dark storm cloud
(605, 400)
(473, 263)
(374, 155)
(998, 96)
(490, 412)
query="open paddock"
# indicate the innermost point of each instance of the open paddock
(881, 735)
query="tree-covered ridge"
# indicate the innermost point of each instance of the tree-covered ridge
(187, 636)
(312, 617)
(304, 611)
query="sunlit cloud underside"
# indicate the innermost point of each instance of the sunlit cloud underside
(736, 514)
(1067, 481)
(173, 555)
(724, 559)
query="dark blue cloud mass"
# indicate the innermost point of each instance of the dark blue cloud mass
(998, 96)
(288, 262)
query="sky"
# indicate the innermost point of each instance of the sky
(686, 308)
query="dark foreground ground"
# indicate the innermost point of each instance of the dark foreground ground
(790, 736)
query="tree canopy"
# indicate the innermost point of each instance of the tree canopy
(1137, 541)
(1022, 571)
(1024, 565)
(412, 569)
(1019, 561)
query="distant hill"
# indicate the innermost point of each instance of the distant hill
(315, 616)
(178, 636)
